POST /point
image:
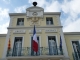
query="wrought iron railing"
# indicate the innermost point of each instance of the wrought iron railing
(27, 51)
(76, 56)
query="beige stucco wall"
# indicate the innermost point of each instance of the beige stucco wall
(27, 37)
(43, 35)
(68, 39)
(42, 22)
(2, 43)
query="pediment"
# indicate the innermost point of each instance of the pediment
(34, 8)
(35, 11)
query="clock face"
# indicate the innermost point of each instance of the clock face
(34, 13)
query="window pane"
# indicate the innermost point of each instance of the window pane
(17, 46)
(20, 21)
(52, 45)
(49, 21)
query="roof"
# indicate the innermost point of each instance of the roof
(24, 14)
(35, 7)
(3, 35)
(71, 33)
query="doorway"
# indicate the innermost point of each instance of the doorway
(17, 48)
(52, 45)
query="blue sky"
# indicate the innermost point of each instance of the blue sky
(70, 12)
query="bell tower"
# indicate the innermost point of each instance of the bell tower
(35, 11)
(34, 14)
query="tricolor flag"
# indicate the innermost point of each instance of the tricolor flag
(60, 44)
(34, 41)
(9, 44)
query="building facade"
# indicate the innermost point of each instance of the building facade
(53, 43)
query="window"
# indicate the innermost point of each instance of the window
(52, 45)
(76, 48)
(17, 46)
(20, 21)
(49, 21)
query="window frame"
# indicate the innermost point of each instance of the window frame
(57, 41)
(72, 45)
(49, 19)
(12, 45)
(19, 21)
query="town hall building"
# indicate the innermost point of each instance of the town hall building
(53, 43)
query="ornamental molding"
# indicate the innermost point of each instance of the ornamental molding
(50, 30)
(37, 31)
(24, 14)
(19, 31)
(3, 35)
(36, 27)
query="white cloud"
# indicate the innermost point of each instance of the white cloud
(73, 26)
(3, 13)
(3, 28)
(72, 9)
(65, 7)
(20, 9)
(75, 7)
(3, 20)
(7, 1)
(53, 7)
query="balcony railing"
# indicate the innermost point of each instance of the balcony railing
(76, 56)
(27, 51)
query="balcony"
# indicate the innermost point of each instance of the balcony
(43, 52)
(76, 56)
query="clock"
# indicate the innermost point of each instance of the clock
(34, 13)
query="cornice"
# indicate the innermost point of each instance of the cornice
(71, 33)
(17, 14)
(40, 8)
(52, 13)
(65, 33)
(3, 35)
(36, 27)
(24, 14)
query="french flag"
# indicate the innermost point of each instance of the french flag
(9, 44)
(34, 41)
